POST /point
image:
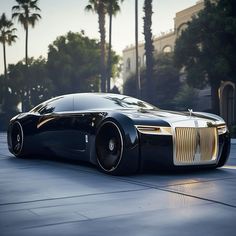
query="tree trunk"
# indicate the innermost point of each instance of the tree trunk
(137, 74)
(5, 61)
(109, 64)
(26, 46)
(4, 101)
(149, 48)
(215, 103)
(102, 31)
(26, 104)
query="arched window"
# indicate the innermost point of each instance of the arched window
(227, 98)
(181, 28)
(167, 49)
(128, 64)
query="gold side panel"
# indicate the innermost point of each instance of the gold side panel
(195, 146)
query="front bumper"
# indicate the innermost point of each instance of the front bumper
(158, 152)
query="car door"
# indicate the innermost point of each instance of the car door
(62, 130)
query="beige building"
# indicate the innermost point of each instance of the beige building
(166, 43)
(163, 43)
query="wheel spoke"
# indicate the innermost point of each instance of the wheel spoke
(17, 147)
(109, 146)
(110, 160)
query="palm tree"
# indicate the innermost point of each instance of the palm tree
(149, 48)
(7, 36)
(137, 74)
(26, 14)
(99, 7)
(112, 8)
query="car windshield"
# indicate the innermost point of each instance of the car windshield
(90, 101)
(109, 101)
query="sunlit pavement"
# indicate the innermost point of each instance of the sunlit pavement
(44, 197)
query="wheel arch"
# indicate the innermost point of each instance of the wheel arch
(130, 161)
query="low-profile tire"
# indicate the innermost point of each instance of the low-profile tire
(17, 139)
(110, 149)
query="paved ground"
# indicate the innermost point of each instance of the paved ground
(44, 197)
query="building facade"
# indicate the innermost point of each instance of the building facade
(163, 43)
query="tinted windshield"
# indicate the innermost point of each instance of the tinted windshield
(57, 104)
(90, 101)
(108, 101)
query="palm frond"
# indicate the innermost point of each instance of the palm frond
(25, 12)
(15, 8)
(15, 15)
(11, 39)
(6, 31)
(89, 8)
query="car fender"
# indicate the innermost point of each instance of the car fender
(131, 153)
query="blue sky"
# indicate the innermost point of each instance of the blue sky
(61, 16)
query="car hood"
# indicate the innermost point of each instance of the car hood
(173, 118)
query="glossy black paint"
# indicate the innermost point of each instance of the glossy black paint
(67, 126)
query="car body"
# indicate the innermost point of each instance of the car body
(119, 134)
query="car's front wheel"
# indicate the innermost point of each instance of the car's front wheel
(110, 147)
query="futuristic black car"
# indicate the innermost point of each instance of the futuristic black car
(119, 134)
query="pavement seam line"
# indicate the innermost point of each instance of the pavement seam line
(179, 193)
(68, 197)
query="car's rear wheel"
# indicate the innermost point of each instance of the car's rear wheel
(110, 147)
(17, 139)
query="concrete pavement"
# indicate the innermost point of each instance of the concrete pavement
(46, 197)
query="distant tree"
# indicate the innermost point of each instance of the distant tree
(72, 63)
(129, 86)
(115, 90)
(206, 49)
(166, 82)
(149, 48)
(113, 8)
(186, 98)
(99, 7)
(6, 112)
(41, 85)
(17, 83)
(26, 14)
(7, 37)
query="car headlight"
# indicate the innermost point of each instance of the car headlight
(155, 130)
(222, 129)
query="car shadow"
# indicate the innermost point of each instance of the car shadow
(147, 172)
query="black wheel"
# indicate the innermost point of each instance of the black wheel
(17, 139)
(109, 147)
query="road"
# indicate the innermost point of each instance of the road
(47, 197)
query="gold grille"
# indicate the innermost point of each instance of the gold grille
(195, 145)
